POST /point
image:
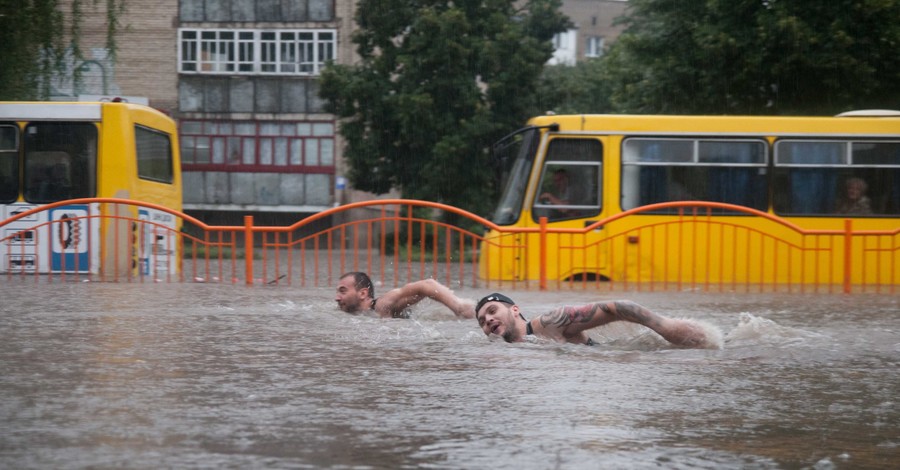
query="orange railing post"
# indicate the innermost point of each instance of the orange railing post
(248, 249)
(848, 254)
(542, 244)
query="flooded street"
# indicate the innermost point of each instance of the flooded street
(106, 375)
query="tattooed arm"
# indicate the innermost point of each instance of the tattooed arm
(569, 323)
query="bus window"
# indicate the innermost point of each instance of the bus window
(885, 182)
(810, 183)
(60, 161)
(570, 185)
(837, 178)
(9, 163)
(664, 170)
(154, 155)
(514, 155)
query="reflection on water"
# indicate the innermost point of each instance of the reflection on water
(186, 375)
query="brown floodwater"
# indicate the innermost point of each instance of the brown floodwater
(106, 375)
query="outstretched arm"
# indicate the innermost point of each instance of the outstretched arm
(569, 322)
(397, 300)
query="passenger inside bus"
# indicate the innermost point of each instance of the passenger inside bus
(561, 188)
(853, 199)
(560, 192)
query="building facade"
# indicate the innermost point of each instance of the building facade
(593, 30)
(241, 79)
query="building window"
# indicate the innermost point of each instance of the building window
(564, 48)
(594, 46)
(258, 146)
(275, 52)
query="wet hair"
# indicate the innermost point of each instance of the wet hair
(361, 281)
(495, 297)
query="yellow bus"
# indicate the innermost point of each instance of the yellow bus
(575, 170)
(57, 151)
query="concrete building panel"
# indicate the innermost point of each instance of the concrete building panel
(268, 96)
(292, 10)
(267, 187)
(243, 11)
(190, 10)
(190, 95)
(215, 95)
(318, 190)
(321, 10)
(218, 10)
(194, 187)
(217, 187)
(292, 190)
(243, 188)
(294, 95)
(241, 95)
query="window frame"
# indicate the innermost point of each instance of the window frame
(693, 160)
(831, 176)
(308, 146)
(221, 51)
(140, 152)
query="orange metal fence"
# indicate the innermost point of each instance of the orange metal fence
(397, 241)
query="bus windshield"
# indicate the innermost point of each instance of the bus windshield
(515, 156)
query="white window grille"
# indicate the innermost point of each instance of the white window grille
(277, 52)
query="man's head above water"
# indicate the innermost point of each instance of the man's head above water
(498, 314)
(355, 292)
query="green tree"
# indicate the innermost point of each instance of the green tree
(755, 57)
(436, 83)
(574, 89)
(36, 43)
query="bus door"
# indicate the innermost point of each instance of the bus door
(569, 193)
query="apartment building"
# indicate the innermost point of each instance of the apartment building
(241, 79)
(593, 30)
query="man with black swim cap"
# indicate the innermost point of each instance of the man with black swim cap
(498, 315)
(356, 293)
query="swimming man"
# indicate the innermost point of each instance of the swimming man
(356, 294)
(498, 315)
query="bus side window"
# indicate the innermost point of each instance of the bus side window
(812, 175)
(9, 163)
(878, 165)
(731, 179)
(570, 182)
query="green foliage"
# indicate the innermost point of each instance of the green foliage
(29, 34)
(574, 89)
(437, 82)
(33, 35)
(755, 57)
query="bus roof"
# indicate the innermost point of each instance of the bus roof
(61, 110)
(33, 111)
(621, 124)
